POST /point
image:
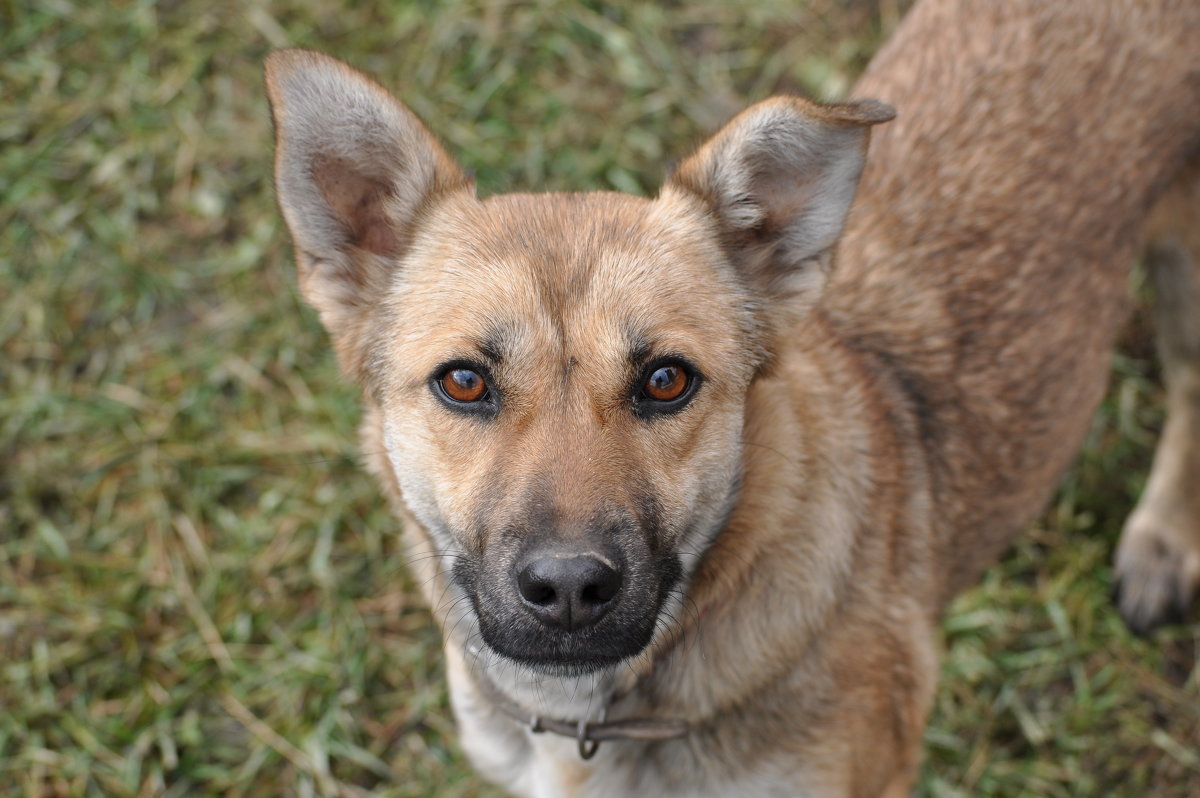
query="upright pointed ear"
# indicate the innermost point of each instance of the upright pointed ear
(354, 169)
(779, 179)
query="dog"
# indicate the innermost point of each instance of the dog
(688, 481)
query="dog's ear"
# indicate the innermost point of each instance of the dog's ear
(354, 169)
(779, 179)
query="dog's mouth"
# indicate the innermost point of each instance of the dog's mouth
(567, 613)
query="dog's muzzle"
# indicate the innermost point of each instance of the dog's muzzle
(568, 607)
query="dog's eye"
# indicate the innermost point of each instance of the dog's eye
(666, 386)
(464, 385)
(666, 383)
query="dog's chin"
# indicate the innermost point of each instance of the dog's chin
(562, 668)
(567, 660)
(554, 653)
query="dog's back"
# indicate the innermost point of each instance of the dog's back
(985, 266)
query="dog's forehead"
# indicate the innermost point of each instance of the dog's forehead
(565, 271)
(571, 246)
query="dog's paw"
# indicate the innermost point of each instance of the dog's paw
(1157, 574)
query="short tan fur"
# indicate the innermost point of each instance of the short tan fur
(877, 393)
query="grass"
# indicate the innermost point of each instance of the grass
(200, 591)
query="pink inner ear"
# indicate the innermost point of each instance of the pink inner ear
(358, 202)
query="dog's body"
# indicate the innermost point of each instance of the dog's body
(774, 544)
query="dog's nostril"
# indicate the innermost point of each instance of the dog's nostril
(568, 592)
(534, 589)
(602, 589)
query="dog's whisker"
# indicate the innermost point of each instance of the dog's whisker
(462, 606)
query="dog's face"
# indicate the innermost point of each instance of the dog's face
(560, 379)
(561, 382)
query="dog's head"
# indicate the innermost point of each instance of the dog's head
(561, 378)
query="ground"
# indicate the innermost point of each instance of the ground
(201, 593)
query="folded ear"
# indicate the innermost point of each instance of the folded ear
(779, 179)
(354, 169)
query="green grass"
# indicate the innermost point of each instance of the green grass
(200, 591)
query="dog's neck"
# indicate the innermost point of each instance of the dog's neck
(588, 732)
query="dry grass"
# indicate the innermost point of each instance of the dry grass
(200, 592)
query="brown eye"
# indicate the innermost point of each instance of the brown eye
(464, 385)
(666, 383)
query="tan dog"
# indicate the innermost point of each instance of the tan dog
(686, 486)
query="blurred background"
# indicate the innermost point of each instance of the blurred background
(201, 593)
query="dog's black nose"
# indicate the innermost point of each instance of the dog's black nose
(569, 592)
